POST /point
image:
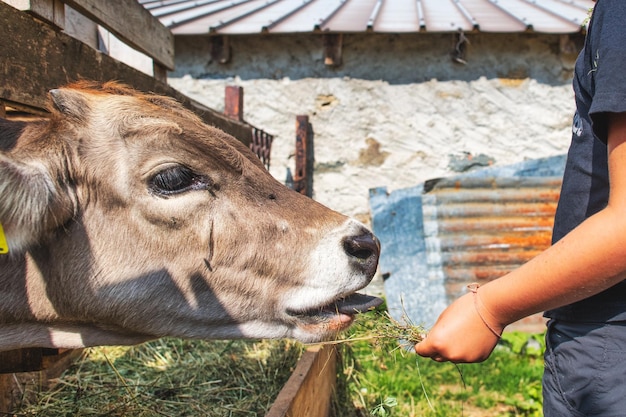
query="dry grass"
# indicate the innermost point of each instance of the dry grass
(171, 377)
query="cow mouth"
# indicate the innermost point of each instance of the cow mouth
(340, 313)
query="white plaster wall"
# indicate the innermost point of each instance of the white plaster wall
(399, 110)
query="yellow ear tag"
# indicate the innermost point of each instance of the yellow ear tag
(4, 246)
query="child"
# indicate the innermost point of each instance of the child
(579, 281)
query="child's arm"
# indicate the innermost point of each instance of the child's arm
(590, 259)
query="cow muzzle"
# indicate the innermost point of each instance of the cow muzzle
(363, 251)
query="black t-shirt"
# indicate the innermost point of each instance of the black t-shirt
(600, 88)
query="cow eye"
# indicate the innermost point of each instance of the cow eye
(177, 179)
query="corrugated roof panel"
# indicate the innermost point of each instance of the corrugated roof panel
(164, 8)
(491, 18)
(310, 18)
(151, 4)
(398, 16)
(388, 16)
(271, 17)
(212, 16)
(177, 14)
(539, 18)
(567, 10)
(444, 16)
(352, 17)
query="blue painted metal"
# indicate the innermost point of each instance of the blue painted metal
(440, 235)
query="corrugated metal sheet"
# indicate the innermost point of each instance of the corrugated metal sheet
(440, 236)
(478, 229)
(384, 16)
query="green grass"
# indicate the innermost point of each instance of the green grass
(382, 379)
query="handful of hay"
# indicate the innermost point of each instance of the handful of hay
(380, 325)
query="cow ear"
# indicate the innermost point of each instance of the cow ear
(70, 103)
(28, 199)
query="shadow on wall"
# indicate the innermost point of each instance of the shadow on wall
(394, 58)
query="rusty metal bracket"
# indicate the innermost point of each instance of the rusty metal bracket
(303, 175)
(261, 145)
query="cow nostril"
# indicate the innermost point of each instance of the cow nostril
(364, 246)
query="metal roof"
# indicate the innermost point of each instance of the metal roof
(441, 235)
(245, 17)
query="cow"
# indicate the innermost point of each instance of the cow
(128, 219)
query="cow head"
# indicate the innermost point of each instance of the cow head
(128, 219)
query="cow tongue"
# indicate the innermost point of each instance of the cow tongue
(355, 303)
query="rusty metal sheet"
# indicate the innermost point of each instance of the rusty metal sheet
(441, 235)
(507, 221)
(383, 16)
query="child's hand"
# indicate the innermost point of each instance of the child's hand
(460, 334)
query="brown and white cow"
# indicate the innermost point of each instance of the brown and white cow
(128, 219)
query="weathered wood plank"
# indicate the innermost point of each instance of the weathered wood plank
(15, 385)
(52, 11)
(133, 24)
(39, 59)
(309, 388)
(21, 360)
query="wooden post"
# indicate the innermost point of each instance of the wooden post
(333, 44)
(159, 72)
(303, 176)
(17, 382)
(220, 49)
(233, 102)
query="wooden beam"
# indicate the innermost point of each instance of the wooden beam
(308, 392)
(39, 59)
(130, 22)
(21, 360)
